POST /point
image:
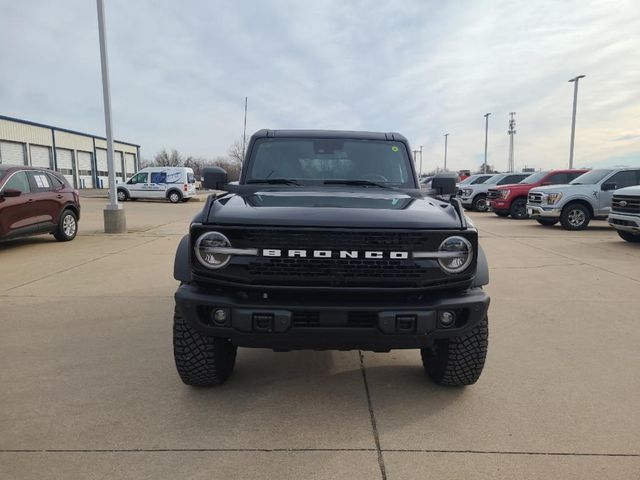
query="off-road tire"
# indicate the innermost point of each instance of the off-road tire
(458, 361)
(201, 361)
(629, 237)
(67, 226)
(480, 203)
(122, 195)
(571, 214)
(547, 222)
(174, 196)
(518, 209)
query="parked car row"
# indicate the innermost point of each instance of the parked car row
(570, 197)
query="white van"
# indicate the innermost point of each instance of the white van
(176, 184)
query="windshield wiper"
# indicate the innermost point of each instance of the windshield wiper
(274, 181)
(364, 183)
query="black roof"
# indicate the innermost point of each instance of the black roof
(353, 134)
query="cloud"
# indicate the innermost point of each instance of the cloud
(180, 72)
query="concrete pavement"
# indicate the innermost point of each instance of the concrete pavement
(88, 388)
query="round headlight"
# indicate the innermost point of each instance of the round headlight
(456, 254)
(206, 250)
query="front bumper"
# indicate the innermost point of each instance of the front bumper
(466, 200)
(626, 223)
(498, 205)
(331, 324)
(536, 210)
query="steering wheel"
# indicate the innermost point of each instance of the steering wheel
(374, 177)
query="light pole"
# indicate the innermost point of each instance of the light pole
(446, 137)
(486, 138)
(511, 132)
(575, 81)
(420, 159)
(244, 132)
(114, 217)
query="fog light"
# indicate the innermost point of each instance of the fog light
(447, 318)
(220, 316)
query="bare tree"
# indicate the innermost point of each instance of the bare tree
(168, 159)
(235, 151)
(230, 165)
(197, 164)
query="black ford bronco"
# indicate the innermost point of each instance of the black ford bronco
(327, 242)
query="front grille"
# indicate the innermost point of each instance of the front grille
(625, 204)
(336, 272)
(492, 194)
(535, 198)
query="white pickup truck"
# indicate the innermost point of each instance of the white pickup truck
(625, 213)
(585, 198)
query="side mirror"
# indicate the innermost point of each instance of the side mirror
(444, 183)
(214, 178)
(10, 192)
(609, 186)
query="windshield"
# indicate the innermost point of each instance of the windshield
(589, 178)
(534, 178)
(467, 180)
(495, 179)
(319, 160)
(481, 179)
(2, 174)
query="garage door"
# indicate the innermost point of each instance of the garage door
(129, 164)
(118, 159)
(40, 156)
(64, 159)
(103, 168)
(12, 153)
(85, 170)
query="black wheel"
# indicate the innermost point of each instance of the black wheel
(67, 227)
(201, 361)
(458, 361)
(502, 214)
(629, 237)
(518, 209)
(174, 196)
(123, 196)
(480, 203)
(575, 216)
(547, 222)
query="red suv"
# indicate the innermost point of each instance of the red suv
(512, 199)
(34, 201)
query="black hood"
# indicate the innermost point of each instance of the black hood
(356, 207)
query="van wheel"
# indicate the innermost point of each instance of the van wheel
(174, 196)
(67, 227)
(123, 196)
(575, 216)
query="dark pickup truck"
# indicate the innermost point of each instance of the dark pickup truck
(327, 242)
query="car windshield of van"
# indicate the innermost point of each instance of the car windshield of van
(312, 161)
(534, 178)
(590, 178)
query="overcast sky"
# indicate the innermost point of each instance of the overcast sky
(180, 71)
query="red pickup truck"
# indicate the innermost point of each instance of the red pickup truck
(512, 199)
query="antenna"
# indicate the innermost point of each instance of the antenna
(511, 132)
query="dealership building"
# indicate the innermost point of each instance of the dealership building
(80, 157)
